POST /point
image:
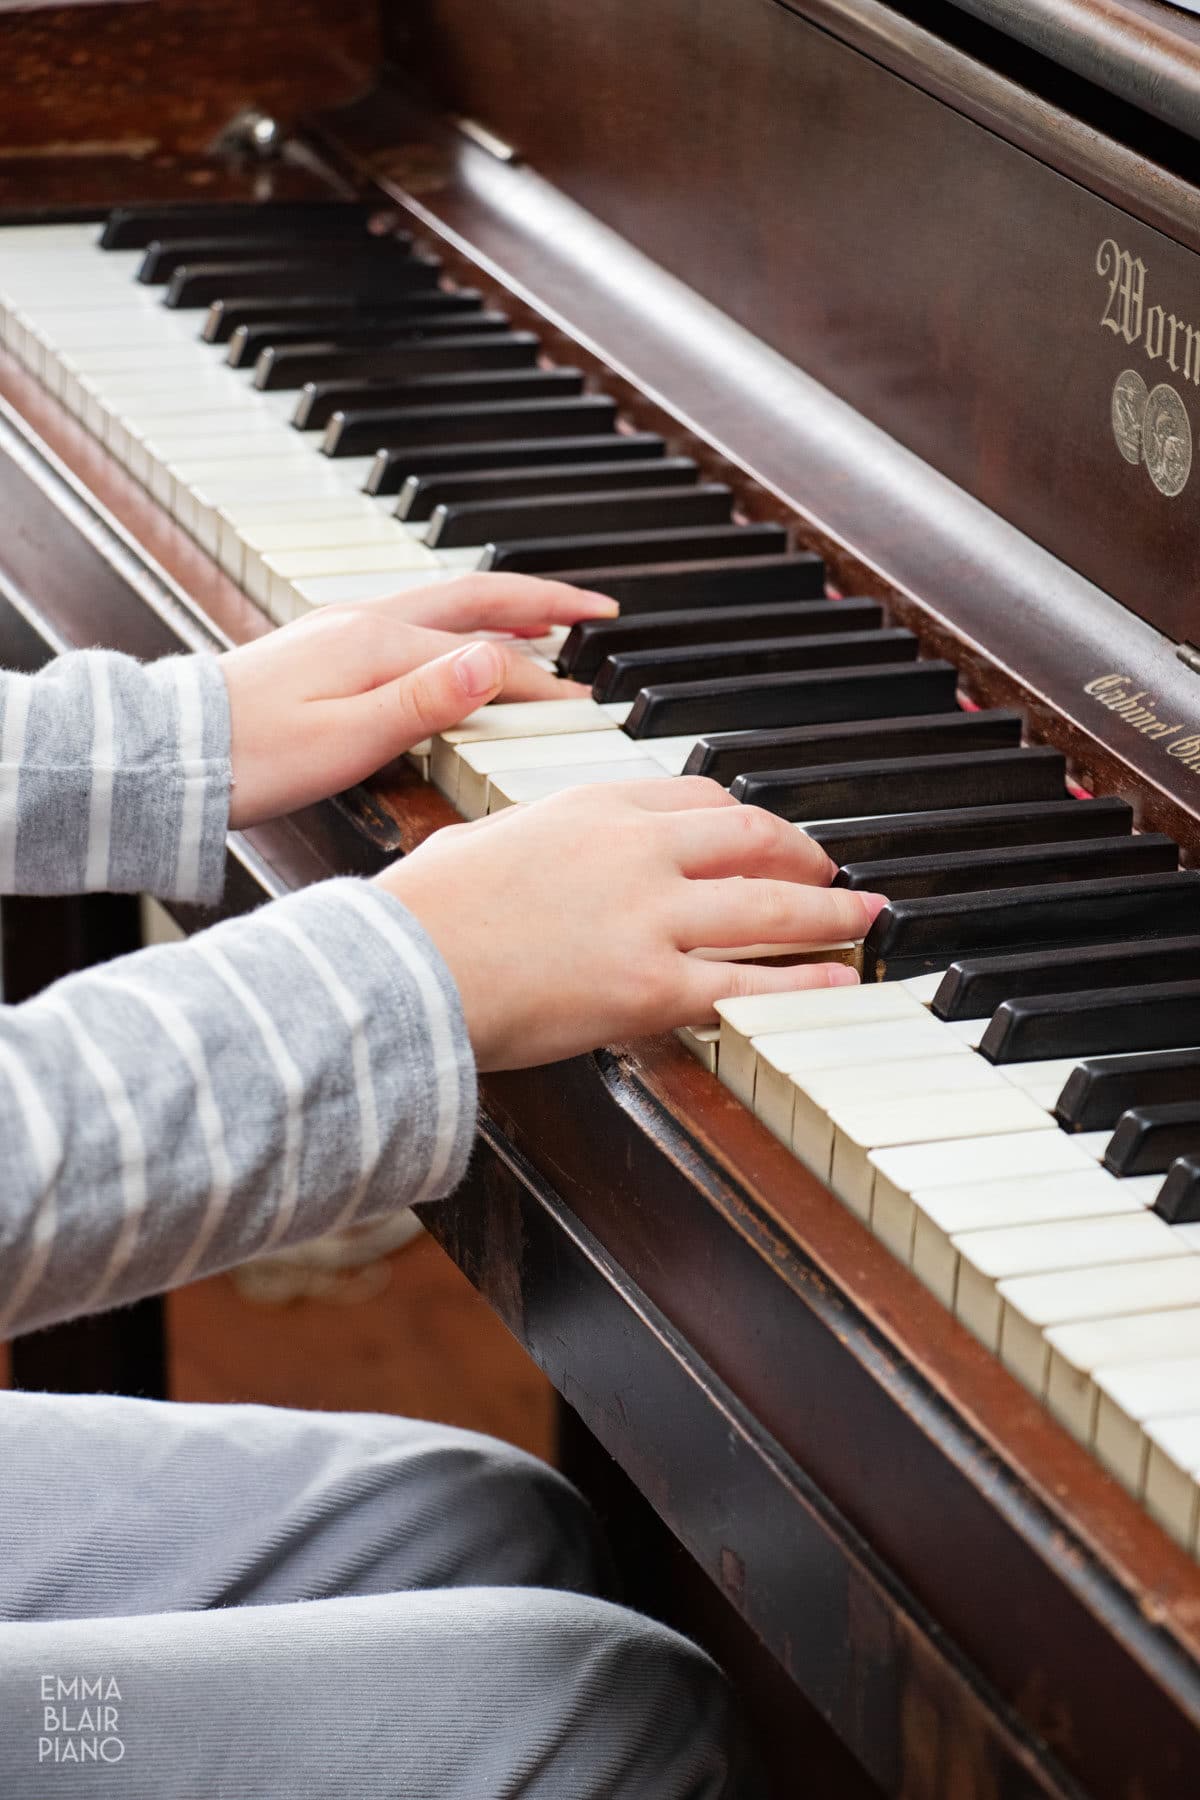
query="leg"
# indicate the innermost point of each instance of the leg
(111, 1506)
(463, 1694)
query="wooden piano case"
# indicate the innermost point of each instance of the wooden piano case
(909, 1545)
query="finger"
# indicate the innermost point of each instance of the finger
(525, 679)
(726, 914)
(707, 982)
(391, 719)
(519, 603)
(745, 840)
(684, 793)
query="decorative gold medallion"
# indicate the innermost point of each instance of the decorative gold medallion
(1129, 398)
(1166, 440)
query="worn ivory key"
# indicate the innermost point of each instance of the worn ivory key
(939, 1215)
(1035, 1303)
(986, 1258)
(1077, 1351)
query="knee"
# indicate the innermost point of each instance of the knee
(439, 1507)
(647, 1713)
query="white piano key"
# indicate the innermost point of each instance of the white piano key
(1035, 1303)
(987, 1258)
(835, 1046)
(936, 1217)
(924, 987)
(1038, 1077)
(1131, 1396)
(797, 1107)
(516, 719)
(328, 590)
(860, 1127)
(757, 1015)
(1077, 1351)
(475, 763)
(521, 787)
(1172, 1491)
(671, 752)
(701, 1042)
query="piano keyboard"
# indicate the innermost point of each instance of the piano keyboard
(1011, 1099)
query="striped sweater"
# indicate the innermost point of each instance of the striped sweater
(176, 1111)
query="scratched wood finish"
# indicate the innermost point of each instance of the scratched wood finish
(112, 80)
(964, 319)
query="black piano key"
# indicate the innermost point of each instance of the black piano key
(974, 988)
(801, 746)
(624, 675)
(972, 828)
(907, 784)
(378, 274)
(334, 374)
(224, 317)
(532, 419)
(591, 640)
(422, 494)
(355, 431)
(721, 581)
(912, 937)
(1094, 1022)
(358, 431)
(759, 702)
(400, 464)
(965, 871)
(1178, 1199)
(133, 227)
(1147, 1139)
(355, 330)
(555, 515)
(538, 556)
(164, 255)
(1096, 1093)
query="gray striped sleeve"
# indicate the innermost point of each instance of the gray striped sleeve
(176, 1111)
(114, 776)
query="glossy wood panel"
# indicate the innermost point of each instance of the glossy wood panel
(116, 80)
(937, 277)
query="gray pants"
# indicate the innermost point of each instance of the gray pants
(238, 1603)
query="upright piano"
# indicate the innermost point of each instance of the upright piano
(856, 349)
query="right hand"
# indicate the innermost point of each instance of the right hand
(567, 924)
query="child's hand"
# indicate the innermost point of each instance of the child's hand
(326, 701)
(567, 924)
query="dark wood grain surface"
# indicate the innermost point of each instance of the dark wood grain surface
(939, 278)
(139, 81)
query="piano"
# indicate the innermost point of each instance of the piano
(854, 348)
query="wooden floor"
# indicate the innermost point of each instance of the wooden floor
(407, 1335)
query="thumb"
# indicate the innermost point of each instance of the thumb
(438, 695)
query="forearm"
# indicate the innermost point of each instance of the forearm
(179, 1110)
(114, 776)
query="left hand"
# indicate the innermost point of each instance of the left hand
(326, 701)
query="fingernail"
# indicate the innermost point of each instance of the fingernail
(838, 975)
(873, 905)
(479, 669)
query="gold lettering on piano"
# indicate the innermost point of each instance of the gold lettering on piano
(1136, 707)
(1126, 277)
(1150, 426)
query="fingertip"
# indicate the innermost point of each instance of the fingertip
(479, 669)
(838, 975)
(873, 905)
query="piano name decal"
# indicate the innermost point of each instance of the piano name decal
(1150, 425)
(1117, 693)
